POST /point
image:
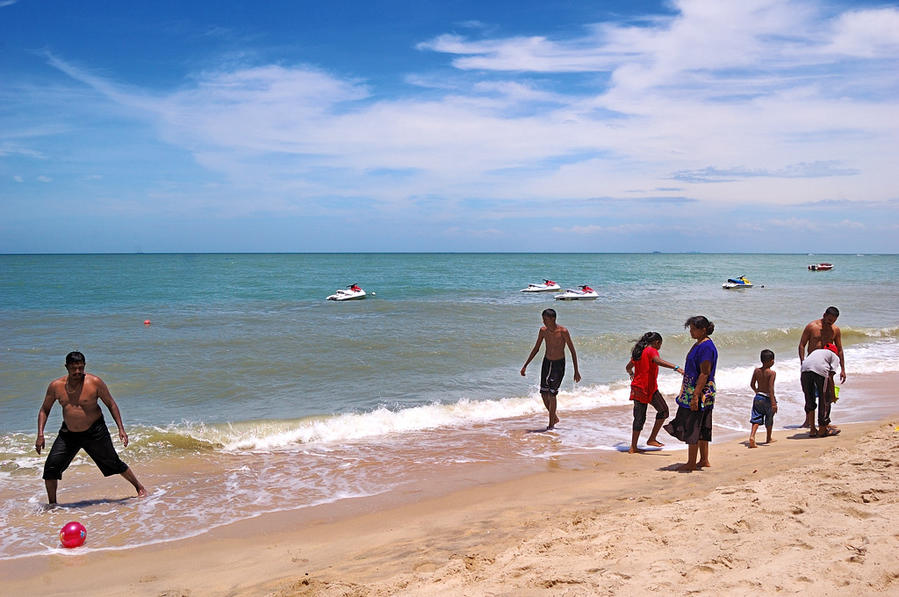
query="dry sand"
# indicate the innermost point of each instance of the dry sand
(799, 516)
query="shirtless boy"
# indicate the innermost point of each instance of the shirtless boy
(556, 338)
(764, 405)
(83, 426)
(817, 334)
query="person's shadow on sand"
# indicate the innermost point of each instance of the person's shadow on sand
(676, 467)
(801, 435)
(625, 447)
(89, 503)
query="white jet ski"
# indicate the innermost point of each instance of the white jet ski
(351, 293)
(547, 286)
(740, 282)
(581, 293)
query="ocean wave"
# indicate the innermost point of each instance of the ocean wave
(384, 422)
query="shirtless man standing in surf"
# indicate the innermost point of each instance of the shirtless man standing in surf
(817, 334)
(83, 426)
(556, 338)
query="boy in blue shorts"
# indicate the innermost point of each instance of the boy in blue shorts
(764, 405)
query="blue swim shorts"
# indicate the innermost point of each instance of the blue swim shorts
(762, 411)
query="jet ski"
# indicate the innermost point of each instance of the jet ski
(547, 286)
(581, 293)
(740, 282)
(351, 293)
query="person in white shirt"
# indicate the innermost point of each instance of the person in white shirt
(816, 377)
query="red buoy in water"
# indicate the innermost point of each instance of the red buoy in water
(146, 322)
(72, 534)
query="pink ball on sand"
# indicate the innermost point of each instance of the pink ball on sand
(72, 534)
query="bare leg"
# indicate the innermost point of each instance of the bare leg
(768, 439)
(809, 419)
(703, 454)
(129, 476)
(653, 441)
(634, 437)
(755, 427)
(51, 490)
(692, 450)
(549, 401)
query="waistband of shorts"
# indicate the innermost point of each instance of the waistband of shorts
(100, 421)
(562, 360)
(762, 394)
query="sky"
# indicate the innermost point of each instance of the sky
(449, 125)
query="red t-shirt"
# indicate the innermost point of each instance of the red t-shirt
(646, 374)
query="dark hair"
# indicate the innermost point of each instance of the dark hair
(701, 322)
(832, 311)
(766, 355)
(549, 313)
(644, 341)
(74, 357)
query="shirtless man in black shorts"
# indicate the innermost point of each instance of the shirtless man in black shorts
(556, 338)
(83, 426)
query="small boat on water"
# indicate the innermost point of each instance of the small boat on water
(547, 286)
(820, 267)
(581, 293)
(351, 293)
(740, 282)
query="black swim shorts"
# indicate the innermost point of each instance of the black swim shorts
(95, 441)
(812, 387)
(551, 376)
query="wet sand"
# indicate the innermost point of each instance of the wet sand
(799, 516)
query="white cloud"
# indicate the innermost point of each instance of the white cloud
(8, 148)
(43, 178)
(18, 179)
(867, 33)
(753, 95)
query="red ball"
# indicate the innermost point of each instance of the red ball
(72, 534)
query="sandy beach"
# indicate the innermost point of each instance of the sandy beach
(798, 516)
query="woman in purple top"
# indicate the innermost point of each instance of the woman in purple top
(693, 422)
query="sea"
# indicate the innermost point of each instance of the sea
(245, 392)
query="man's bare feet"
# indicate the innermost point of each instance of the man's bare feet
(703, 464)
(655, 443)
(813, 432)
(555, 420)
(770, 440)
(142, 493)
(752, 443)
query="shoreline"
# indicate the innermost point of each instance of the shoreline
(470, 540)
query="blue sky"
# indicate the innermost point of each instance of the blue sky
(694, 125)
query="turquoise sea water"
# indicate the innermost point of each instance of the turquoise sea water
(245, 356)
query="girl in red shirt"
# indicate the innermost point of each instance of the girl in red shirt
(644, 371)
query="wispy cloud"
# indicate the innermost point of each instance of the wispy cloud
(680, 90)
(790, 101)
(802, 170)
(8, 148)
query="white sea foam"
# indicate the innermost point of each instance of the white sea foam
(870, 358)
